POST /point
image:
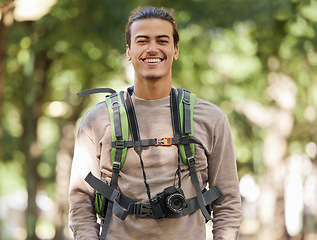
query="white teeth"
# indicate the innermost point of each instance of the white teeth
(152, 60)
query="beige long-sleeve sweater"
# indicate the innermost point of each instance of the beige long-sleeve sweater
(92, 153)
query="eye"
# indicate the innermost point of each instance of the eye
(142, 41)
(162, 41)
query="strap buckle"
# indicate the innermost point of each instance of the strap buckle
(191, 160)
(165, 141)
(116, 166)
(119, 144)
(143, 210)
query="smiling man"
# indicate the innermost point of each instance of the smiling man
(152, 51)
(159, 189)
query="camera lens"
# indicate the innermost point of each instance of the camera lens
(175, 202)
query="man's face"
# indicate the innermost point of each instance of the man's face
(152, 49)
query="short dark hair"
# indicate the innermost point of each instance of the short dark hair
(151, 12)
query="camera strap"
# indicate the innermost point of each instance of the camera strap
(134, 127)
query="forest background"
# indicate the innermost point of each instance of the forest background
(256, 59)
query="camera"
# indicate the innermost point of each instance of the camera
(171, 200)
(174, 199)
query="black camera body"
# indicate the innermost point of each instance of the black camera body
(170, 201)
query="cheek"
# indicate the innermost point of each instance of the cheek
(135, 53)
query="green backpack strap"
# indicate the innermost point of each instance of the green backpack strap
(119, 134)
(119, 128)
(186, 101)
(119, 123)
(186, 112)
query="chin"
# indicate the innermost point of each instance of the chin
(152, 77)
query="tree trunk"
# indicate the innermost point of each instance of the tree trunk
(6, 9)
(3, 47)
(29, 146)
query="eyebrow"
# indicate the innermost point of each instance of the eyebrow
(162, 36)
(147, 37)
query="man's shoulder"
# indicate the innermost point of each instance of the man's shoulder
(206, 108)
(94, 115)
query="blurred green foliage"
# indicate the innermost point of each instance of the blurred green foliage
(227, 50)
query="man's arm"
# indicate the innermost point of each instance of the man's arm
(222, 172)
(82, 217)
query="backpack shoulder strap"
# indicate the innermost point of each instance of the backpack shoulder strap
(119, 128)
(119, 135)
(186, 102)
(119, 123)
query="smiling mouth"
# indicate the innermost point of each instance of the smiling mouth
(152, 60)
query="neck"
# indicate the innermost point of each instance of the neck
(153, 89)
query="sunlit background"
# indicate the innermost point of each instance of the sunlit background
(256, 59)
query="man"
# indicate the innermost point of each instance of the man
(152, 47)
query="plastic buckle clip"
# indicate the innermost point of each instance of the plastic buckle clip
(143, 210)
(119, 144)
(165, 141)
(191, 160)
(116, 167)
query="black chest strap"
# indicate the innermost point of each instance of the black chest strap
(124, 206)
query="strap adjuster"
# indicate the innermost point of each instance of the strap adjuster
(191, 160)
(119, 144)
(186, 98)
(165, 141)
(116, 166)
(143, 210)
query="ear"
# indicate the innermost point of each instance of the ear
(175, 52)
(127, 53)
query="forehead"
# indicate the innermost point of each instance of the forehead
(151, 27)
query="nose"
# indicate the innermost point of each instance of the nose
(152, 48)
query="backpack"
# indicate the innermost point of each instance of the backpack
(123, 120)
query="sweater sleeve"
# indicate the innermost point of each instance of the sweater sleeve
(222, 172)
(82, 217)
